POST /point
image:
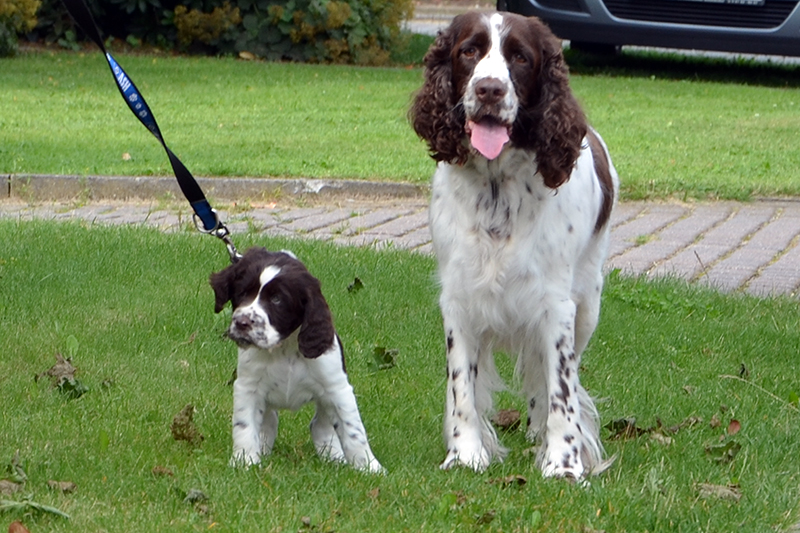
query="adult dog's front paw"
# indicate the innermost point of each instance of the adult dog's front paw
(477, 459)
(572, 473)
(562, 462)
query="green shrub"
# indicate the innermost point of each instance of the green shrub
(16, 16)
(207, 28)
(360, 32)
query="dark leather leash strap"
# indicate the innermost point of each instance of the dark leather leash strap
(207, 216)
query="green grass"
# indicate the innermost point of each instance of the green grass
(676, 127)
(138, 304)
(62, 114)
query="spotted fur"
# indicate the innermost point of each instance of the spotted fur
(289, 355)
(520, 239)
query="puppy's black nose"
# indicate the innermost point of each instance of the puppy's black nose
(490, 90)
(242, 323)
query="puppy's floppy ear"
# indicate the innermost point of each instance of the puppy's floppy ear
(221, 283)
(316, 332)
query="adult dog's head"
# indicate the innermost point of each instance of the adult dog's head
(273, 294)
(494, 78)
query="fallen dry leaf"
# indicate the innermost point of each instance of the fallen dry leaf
(62, 370)
(507, 419)
(62, 486)
(162, 471)
(661, 439)
(625, 428)
(17, 527)
(734, 426)
(715, 422)
(507, 481)
(723, 492)
(687, 423)
(14, 471)
(374, 493)
(62, 376)
(723, 453)
(126, 156)
(356, 286)
(486, 518)
(247, 56)
(9, 487)
(195, 496)
(184, 428)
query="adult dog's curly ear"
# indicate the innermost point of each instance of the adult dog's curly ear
(559, 124)
(435, 114)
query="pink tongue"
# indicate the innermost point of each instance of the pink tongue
(488, 139)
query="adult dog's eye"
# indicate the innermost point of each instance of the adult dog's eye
(519, 59)
(470, 52)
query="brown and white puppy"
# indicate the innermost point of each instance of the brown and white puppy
(289, 355)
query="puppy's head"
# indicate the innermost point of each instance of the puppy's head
(273, 294)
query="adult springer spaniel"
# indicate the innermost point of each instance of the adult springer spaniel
(289, 355)
(521, 200)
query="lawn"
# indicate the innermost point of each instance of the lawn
(711, 380)
(676, 127)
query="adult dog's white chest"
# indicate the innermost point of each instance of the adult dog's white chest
(503, 237)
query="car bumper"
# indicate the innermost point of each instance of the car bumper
(691, 25)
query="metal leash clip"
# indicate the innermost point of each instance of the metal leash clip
(198, 223)
(219, 231)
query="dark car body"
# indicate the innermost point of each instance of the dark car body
(746, 26)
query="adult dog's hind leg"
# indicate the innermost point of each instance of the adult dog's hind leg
(531, 368)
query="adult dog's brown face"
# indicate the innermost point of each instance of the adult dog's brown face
(498, 79)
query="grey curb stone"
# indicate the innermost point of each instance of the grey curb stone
(38, 187)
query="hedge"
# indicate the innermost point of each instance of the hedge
(339, 31)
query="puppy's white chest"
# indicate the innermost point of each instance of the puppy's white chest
(281, 376)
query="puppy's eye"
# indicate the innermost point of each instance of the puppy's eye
(469, 52)
(276, 300)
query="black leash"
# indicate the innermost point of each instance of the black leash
(206, 218)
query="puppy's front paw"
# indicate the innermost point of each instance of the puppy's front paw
(374, 467)
(242, 459)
